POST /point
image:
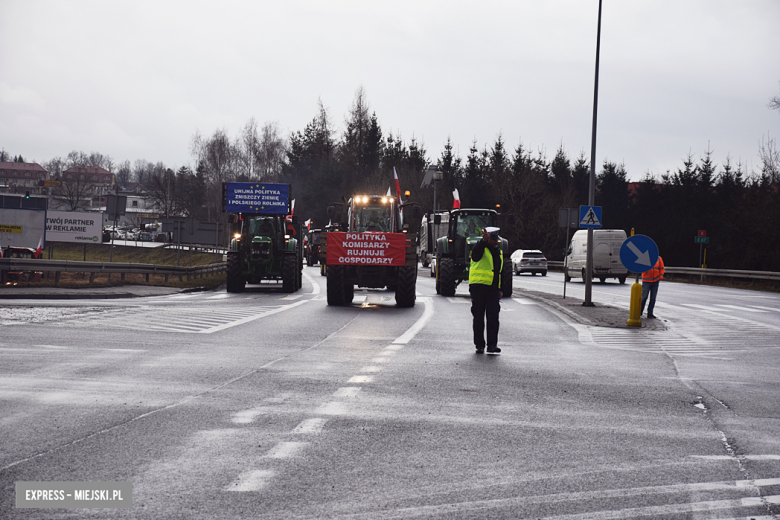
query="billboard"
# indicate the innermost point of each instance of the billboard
(74, 226)
(22, 227)
(366, 248)
(257, 197)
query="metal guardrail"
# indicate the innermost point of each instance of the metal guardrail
(72, 266)
(696, 271)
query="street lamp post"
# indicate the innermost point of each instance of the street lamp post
(592, 178)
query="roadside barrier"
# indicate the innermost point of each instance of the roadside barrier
(734, 274)
(72, 266)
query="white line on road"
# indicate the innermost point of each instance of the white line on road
(360, 379)
(286, 450)
(332, 408)
(407, 336)
(251, 318)
(737, 307)
(250, 480)
(315, 288)
(310, 426)
(347, 391)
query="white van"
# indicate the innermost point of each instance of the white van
(606, 255)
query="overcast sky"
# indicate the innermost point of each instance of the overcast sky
(136, 79)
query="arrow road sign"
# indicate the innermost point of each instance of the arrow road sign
(639, 253)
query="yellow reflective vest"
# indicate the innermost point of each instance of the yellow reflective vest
(482, 271)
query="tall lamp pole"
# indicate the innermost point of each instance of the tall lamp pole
(592, 178)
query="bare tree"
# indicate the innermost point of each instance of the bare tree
(774, 103)
(160, 185)
(770, 160)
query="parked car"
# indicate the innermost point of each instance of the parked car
(21, 276)
(529, 261)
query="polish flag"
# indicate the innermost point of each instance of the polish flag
(456, 199)
(397, 184)
(292, 207)
(389, 192)
(308, 224)
(40, 247)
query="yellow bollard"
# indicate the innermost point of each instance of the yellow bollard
(636, 304)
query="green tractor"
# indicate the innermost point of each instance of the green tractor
(264, 247)
(453, 251)
(376, 248)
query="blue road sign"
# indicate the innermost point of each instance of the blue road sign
(590, 217)
(257, 197)
(639, 253)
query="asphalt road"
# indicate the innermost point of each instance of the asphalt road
(267, 405)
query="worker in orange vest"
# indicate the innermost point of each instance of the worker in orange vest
(650, 281)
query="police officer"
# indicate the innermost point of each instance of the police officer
(487, 261)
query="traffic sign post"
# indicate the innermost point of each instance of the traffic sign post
(702, 239)
(639, 254)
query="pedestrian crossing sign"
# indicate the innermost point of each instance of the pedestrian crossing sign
(590, 217)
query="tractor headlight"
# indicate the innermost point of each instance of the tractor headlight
(237, 236)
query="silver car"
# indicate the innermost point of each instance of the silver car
(529, 261)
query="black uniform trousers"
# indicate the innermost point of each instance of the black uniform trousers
(485, 301)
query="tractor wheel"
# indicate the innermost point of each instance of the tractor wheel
(446, 277)
(506, 282)
(335, 285)
(235, 280)
(406, 288)
(349, 292)
(437, 274)
(289, 273)
(299, 273)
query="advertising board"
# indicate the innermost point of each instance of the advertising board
(366, 249)
(74, 226)
(257, 197)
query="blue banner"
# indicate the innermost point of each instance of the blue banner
(257, 197)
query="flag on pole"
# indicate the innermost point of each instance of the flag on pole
(292, 207)
(308, 224)
(456, 199)
(397, 185)
(389, 192)
(40, 247)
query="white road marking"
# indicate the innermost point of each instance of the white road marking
(453, 299)
(310, 426)
(250, 481)
(347, 391)
(219, 296)
(775, 309)
(737, 307)
(286, 450)
(315, 288)
(729, 457)
(371, 369)
(252, 318)
(290, 297)
(394, 347)
(332, 408)
(407, 336)
(524, 301)
(247, 416)
(360, 379)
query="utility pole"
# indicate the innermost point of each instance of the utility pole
(592, 178)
